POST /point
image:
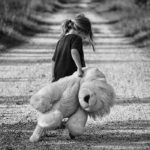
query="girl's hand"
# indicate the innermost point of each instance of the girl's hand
(53, 78)
(80, 72)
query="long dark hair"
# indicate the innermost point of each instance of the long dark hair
(79, 23)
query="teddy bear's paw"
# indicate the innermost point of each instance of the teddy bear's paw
(34, 138)
(71, 136)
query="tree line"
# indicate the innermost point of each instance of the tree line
(142, 2)
(19, 7)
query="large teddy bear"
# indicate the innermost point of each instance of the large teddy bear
(74, 98)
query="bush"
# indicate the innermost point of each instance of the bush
(14, 17)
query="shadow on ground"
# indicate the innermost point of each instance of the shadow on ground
(20, 100)
(112, 134)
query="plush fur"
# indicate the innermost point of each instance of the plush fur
(74, 98)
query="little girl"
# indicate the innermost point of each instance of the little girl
(68, 56)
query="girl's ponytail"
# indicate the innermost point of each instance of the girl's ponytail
(66, 26)
(92, 43)
(83, 24)
(91, 39)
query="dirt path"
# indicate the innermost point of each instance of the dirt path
(25, 69)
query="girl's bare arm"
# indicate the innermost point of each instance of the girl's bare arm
(76, 57)
(53, 65)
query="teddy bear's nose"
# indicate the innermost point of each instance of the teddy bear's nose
(86, 98)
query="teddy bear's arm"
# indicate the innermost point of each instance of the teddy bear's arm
(44, 99)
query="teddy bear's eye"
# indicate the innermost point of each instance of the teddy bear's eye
(86, 98)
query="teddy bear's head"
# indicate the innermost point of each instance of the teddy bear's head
(96, 96)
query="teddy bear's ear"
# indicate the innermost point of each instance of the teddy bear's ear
(92, 73)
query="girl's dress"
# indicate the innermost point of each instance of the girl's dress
(64, 63)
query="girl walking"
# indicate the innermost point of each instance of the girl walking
(69, 56)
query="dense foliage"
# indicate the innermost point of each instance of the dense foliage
(15, 17)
